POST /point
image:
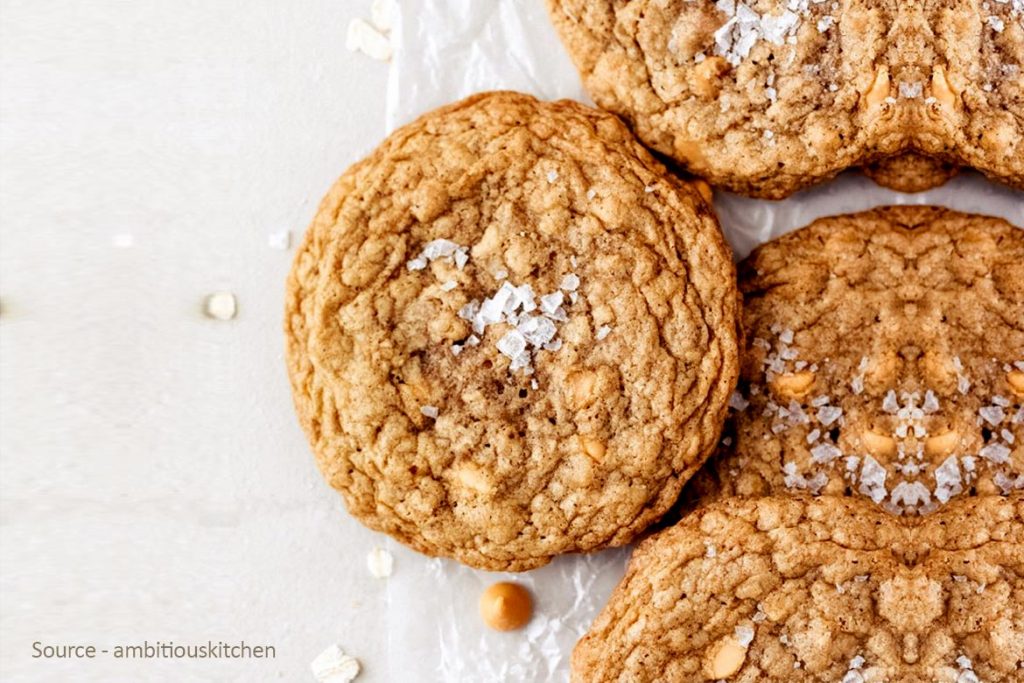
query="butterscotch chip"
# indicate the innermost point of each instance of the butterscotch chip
(912, 319)
(1015, 378)
(502, 346)
(879, 91)
(879, 445)
(942, 444)
(506, 606)
(765, 98)
(793, 384)
(724, 658)
(804, 589)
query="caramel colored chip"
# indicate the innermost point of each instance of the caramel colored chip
(506, 606)
(725, 658)
(793, 385)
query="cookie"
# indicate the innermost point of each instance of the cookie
(884, 360)
(510, 334)
(828, 589)
(910, 172)
(770, 96)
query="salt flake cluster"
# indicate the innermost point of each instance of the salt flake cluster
(533, 320)
(745, 27)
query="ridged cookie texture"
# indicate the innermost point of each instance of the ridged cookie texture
(818, 590)
(884, 359)
(765, 97)
(510, 334)
(910, 172)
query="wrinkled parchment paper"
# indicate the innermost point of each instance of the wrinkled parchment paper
(446, 50)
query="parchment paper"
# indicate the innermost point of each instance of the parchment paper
(446, 50)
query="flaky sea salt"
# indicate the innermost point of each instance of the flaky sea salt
(1006, 483)
(439, 249)
(430, 411)
(995, 453)
(745, 27)
(570, 283)
(828, 414)
(909, 91)
(602, 332)
(737, 402)
(513, 344)
(948, 481)
(824, 453)
(794, 480)
(515, 305)
(910, 494)
(872, 479)
(992, 414)
(550, 303)
(744, 635)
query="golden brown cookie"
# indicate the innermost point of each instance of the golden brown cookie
(510, 334)
(768, 96)
(794, 589)
(884, 359)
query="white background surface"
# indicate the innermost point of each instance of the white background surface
(155, 483)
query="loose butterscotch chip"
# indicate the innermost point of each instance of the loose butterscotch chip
(506, 606)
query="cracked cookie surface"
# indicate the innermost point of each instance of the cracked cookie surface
(768, 96)
(510, 334)
(884, 359)
(823, 590)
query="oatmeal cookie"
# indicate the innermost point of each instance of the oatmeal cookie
(795, 589)
(510, 334)
(884, 359)
(765, 97)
